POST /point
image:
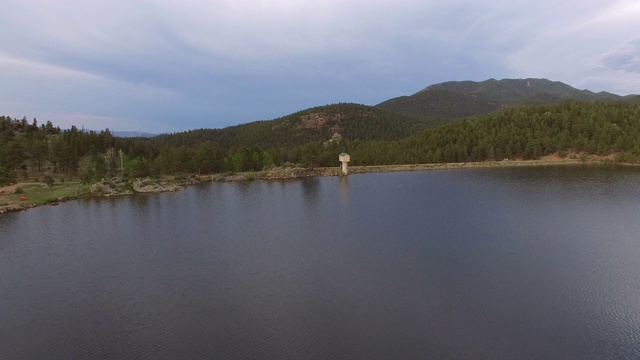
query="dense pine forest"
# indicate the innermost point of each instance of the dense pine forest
(525, 132)
(314, 137)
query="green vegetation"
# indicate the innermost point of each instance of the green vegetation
(48, 180)
(458, 99)
(632, 99)
(28, 148)
(6, 176)
(313, 137)
(37, 194)
(526, 132)
(318, 124)
(441, 103)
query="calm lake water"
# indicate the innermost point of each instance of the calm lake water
(520, 263)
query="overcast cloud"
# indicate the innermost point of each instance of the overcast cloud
(163, 66)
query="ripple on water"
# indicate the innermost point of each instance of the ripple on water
(516, 263)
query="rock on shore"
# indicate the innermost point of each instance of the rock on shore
(146, 185)
(276, 173)
(294, 172)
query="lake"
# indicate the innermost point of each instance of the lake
(500, 263)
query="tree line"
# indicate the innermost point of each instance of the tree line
(524, 132)
(309, 138)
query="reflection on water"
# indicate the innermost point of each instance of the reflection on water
(344, 189)
(523, 263)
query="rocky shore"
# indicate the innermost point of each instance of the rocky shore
(15, 207)
(112, 187)
(147, 185)
(116, 186)
(278, 173)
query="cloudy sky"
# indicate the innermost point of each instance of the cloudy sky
(168, 65)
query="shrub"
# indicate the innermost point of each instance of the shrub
(625, 157)
(7, 177)
(87, 176)
(48, 180)
(19, 190)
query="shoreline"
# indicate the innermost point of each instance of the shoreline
(468, 165)
(9, 204)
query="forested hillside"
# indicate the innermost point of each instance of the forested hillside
(515, 91)
(28, 148)
(526, 132)
(315, 136)
(441, 103)
(319, 124)
(458, 99)
(632, 99)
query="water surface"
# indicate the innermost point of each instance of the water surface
(527, 263)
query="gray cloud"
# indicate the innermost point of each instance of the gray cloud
(625, 57)
(199, 63)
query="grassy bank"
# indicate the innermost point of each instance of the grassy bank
(26, 195)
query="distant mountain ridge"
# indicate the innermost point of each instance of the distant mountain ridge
(535, 117)
(632, 99)
(395, 118)
(457, 99)
(133, 134)
(317, 124)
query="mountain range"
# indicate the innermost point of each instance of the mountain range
(126, 134)
(447, 122)
(396, 118)
(458, 99)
